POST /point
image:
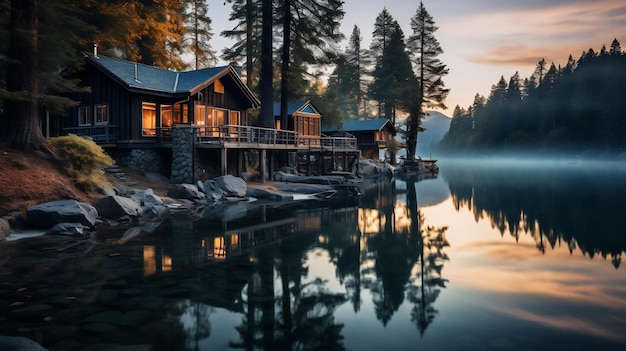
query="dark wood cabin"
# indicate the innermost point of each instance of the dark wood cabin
(131, 103)
(303, 118)
(371, 135)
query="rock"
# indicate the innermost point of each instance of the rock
(46, 215)
(5, 228)
(185, 191)
(147, 196)
(212, 191)
(19, 343)
(114, 207)
(371, 168)
(68, 229)
(232, 186)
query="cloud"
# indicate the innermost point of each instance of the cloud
(523, 37)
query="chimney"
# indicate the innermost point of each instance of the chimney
(95, 49)
(236, 66)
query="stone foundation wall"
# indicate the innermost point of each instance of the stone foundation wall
(182, 155)
(144, 160)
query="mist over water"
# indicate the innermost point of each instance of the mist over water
(494, 253)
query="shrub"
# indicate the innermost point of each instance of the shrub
(82, 160)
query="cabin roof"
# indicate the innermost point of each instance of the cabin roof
(303, 106)
(364, 125)
(145, 77)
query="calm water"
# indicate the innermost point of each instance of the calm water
(510, 256)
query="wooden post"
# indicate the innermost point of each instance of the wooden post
(224, 159)
(263, 164)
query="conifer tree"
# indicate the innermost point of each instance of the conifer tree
(160, 42)
(383, 27)
(358, 60)
(198, 33)
(309, 31)
(247, 35)
(428, 68)
(44, 38)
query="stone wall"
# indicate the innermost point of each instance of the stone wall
(144, 160)
(182, 155)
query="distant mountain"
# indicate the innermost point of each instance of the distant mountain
(436, 125)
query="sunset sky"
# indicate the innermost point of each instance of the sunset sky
(485, 39)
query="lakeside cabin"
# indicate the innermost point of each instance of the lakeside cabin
(371, 135)
(183, 124)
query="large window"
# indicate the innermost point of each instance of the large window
(85, 115)
(307, 125)
(181, 114)
(166, 115)
(148, 118)
(102, 114)
(219, 118)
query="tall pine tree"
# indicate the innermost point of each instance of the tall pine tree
(429, 70)
(198, 33)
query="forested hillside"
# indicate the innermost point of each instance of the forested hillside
(579, 108)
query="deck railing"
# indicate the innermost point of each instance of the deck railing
(99, 133)
(245, 134)
(225, 134)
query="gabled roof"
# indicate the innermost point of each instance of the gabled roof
(364, 125)
(143, 77)
(302, 106)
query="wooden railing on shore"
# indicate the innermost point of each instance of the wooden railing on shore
(99, 133)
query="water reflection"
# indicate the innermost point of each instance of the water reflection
(577, 204)
(399, 268)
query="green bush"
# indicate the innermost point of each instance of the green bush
(82, 160)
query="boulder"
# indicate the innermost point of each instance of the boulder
(114, 207)
(185, 191)
(371, 168)
(46, 215)
(147, 196)
(232, 186)
(212, 191)
(19, 343)
(5, 228)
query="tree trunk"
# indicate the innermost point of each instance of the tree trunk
(284, 71)
(21, 127)
(267, 93)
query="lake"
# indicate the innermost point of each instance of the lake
(489, 255)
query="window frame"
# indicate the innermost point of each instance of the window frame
(81, 111)
(97, 109)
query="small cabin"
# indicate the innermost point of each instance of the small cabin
(303, 118)
(371, 135)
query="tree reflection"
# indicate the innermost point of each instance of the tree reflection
(577, 205)
(296, 315)
(424, 288)
(404, 255)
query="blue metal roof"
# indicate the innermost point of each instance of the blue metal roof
(295, 106)
(363, 125)
(137, 75)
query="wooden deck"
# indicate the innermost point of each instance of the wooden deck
(222, 137)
